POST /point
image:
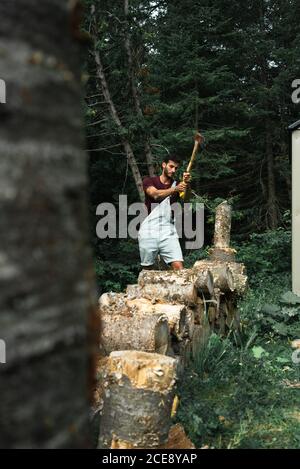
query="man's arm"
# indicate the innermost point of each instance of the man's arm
(160, 194)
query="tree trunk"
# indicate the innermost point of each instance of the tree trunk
(137, 384)
(115, 117)
(134, 90)
(272, 214)
(46, 280)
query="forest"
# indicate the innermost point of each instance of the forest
(158, 72)
(94, 96)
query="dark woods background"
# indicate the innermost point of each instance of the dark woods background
(168, 68)
(153, 72)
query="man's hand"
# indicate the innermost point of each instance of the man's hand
(186, 177)
(181, 187)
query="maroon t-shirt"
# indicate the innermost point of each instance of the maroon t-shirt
(156, 182)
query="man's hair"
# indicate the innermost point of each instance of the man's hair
(174, 158)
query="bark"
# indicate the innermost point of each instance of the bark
(204, 280)
(135, 324)
(189, 322)
(177, 439)
(222, 254)
(221, 250)
(136, 385)
(46, 280)
(199, 311)
(168, 286)
(222, 275)
(174, 286)
(235, 278)
(200, 339)
(143, 331)
(177, 316)
(134, 90)
(185, 353)
(133, 291)
(222, 226)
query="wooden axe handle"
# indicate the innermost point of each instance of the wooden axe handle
(199, 139)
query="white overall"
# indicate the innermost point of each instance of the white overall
(158, 235)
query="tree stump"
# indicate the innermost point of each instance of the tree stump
(139, 392)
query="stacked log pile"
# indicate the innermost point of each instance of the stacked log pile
(152, 331)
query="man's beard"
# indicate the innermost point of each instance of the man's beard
(167, 174)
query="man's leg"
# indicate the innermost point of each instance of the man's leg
(171, 253)
(148, 252)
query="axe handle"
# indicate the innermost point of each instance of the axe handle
(190, 165)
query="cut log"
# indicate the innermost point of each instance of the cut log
(222, 226)
(140, 331)
(113, 302)
(223, 277)
(139, 392)
(185, 351)
(203, 280)
(175, 287)
(240, 284)
(189, 322)
(224, 254)
(98, 394)
(200, 338)
(200, 311)
(177, 440)
(176, 314)
(232, 273)
(133, 291)
(222, 250)
(168, 286)
(212, 314)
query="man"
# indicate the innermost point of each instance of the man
(157, 233)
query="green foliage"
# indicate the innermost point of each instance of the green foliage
(235, 395)
(115, 271)
(266, 254)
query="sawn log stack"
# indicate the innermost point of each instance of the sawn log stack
(150, 334)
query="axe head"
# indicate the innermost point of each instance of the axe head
(200, 140)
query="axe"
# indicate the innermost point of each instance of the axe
(199, 142)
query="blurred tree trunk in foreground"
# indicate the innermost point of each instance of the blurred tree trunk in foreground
(46, 281)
